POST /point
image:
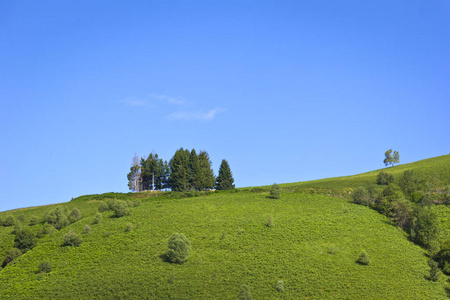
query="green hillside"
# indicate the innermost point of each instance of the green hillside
(312, 246)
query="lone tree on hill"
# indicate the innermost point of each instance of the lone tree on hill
(391, 159)
(225, 179)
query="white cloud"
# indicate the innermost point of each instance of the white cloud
(195, 115)
(171, 100)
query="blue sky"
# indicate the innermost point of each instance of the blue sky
(286, 91)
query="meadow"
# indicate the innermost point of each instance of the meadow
(312, 245)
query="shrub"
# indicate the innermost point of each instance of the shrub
(280, 286)
(384, 178)
(270, 221)
(45, 266)
(410, 182)
(425, 229)
(443, 257)
(48, 229)
(179, 248)
(74, 215)
(72, 239)
(363, 258)
(21, 219)
(129, 227)
(275, 191)
(57, 217)
(403, 212)
(121, 209)
(103, 207)
(10, 256)
(25, 239)
(9, 221)
(361, 196)
(435, 273)
(244, 293)
(33, 221)
(97, 218)
(87, 228)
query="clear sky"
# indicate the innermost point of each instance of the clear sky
(286, 91)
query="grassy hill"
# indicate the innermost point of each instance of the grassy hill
(312, 247)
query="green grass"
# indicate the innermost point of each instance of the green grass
(312, 247)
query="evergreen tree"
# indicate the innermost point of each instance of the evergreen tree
(194, 170)
(225, 179)
(206, 174)
(179, 170)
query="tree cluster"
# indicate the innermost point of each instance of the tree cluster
(186, 171)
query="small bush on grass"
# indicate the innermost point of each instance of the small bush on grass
(45, 266)
(270, 221)
(72, 239)
(57, 217)
(179, 248)
(87, 228)
(10, 256)
(280, 286)
(275, 191)
(363, 258)
(97, 218)
(121, 209)
(74, 215)
(25, 239)
(244, 293)
(361, 196)
(129, 227)
(103, 207)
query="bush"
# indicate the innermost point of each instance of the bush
(425, 229)
(74, 215)
(244, 293)
(270, 221)
(48, 229)
(361, 196)
(363, 258)
(10, 256)
(275, 191)
(403, 212)
(136, 203)
(45, 266)
(9, 221)
(410, 182)
(72, 239)
(97, 219)
(103, 207)
(87, 229)
(57, 217)
(443, 257)
(121, 209)
(280, 286)
(435, 273)
(129, 227)
(179, 248)
(33, 221)
(25, 239)
(384, 178)
(21, 219)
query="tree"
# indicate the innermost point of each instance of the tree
(206, 173)
(25, 239)
(384, 178)
(225, 179)
(179, 171)
(275, 191)
(391, 159)
(363, 258)
(134, 176)
(410, 182)
(244, 293)
(425, 229)
(403, 212)
(194, 170)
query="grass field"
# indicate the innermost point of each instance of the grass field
(312, 247)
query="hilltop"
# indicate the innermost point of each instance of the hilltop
(307, 239)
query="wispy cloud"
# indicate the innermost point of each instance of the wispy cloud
(135, 102)
(195, 115)
(168, 99)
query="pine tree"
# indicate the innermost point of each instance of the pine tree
(179, 170)
(225, 179)
(206, 174)
(194, 170)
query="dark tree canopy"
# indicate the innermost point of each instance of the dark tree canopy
(225, 179)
